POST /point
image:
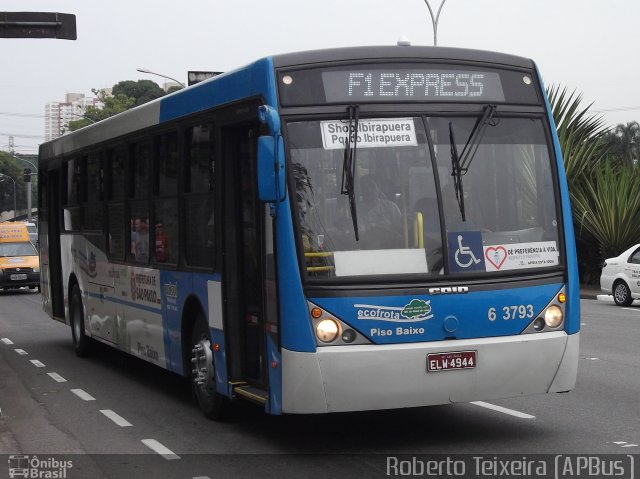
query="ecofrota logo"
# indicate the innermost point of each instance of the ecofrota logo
(416, 310)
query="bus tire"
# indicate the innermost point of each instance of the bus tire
(81, 343)
(622, 294)
(202, 373)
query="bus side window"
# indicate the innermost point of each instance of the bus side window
(139, 204)
(200, 221)
(115, 195)
(165, 225)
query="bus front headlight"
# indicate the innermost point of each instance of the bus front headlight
(327, 330)
(553, 316)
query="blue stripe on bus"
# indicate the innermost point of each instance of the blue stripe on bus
(124, 302)
(572, 324)
(226, 88)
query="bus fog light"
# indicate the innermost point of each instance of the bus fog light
(538, 324)
(349, 335)
(553, 316)
(327, 330)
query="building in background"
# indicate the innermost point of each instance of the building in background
(59, 114)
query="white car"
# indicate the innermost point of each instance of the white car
(621, 276)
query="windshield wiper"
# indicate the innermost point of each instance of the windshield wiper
(349, 165)
(456, 172)
(460, 163)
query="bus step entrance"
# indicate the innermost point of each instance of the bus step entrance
(252, 394)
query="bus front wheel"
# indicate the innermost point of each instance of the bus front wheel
(81, 343)
(213, 404)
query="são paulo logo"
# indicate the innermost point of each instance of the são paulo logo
(416, 310)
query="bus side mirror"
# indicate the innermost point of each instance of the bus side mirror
(271, 176)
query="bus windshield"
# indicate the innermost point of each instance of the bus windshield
(496, 212)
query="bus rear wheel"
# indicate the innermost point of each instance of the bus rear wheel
(81, 343)
(213, 404)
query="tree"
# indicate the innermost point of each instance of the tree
(624, 143)
(580, 133)
(113, 104)
(605, 196)
(9, 167)
(124, 95)
(142, 91)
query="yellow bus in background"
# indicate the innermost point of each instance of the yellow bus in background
(19, 260)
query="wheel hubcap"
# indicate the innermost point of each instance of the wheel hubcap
(202, 365)
(621, 293)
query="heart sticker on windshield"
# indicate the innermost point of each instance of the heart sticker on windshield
(496, 256)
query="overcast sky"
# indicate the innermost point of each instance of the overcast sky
(589, 46)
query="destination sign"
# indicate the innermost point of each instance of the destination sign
(407, 83)
(416, 85)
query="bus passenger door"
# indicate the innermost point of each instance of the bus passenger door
(244, 265)
(49, 238)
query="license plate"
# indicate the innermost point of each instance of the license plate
(18, 277)
(451, 361)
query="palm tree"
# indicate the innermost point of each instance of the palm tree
(605, 196)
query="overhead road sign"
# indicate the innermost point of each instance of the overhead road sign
(38, 25)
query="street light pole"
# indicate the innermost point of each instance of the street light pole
(434, 20)
(144, 70)
(2, 175)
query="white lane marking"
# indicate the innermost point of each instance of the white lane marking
(6, 341)
(504, 410)
(37, 363)
(119, 420)
(164, 451)
(56, 377)
(592, 359)
(21, 352)
(85, 396)
(633, 309)
(201, 477)
(624, 444)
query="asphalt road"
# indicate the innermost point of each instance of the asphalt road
(115, 416)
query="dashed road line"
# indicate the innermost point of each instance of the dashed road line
(21, 352)
(164, 451)
(624, 444)
(119, 420)
(592, 359)
(6, 341)
(56, 377)
(37, 363)
(85, 396)
(504, 410)
(633, 309)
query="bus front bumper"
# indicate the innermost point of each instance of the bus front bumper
(368, 377)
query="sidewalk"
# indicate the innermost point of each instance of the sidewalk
(590, 291)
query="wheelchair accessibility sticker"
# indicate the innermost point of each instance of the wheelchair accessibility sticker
(466, 252)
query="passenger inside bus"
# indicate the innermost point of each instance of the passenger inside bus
(377, 210)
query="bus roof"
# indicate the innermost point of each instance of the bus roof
(251, 81)
(411, 53)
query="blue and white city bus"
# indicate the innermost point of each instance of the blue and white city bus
(334, 230)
